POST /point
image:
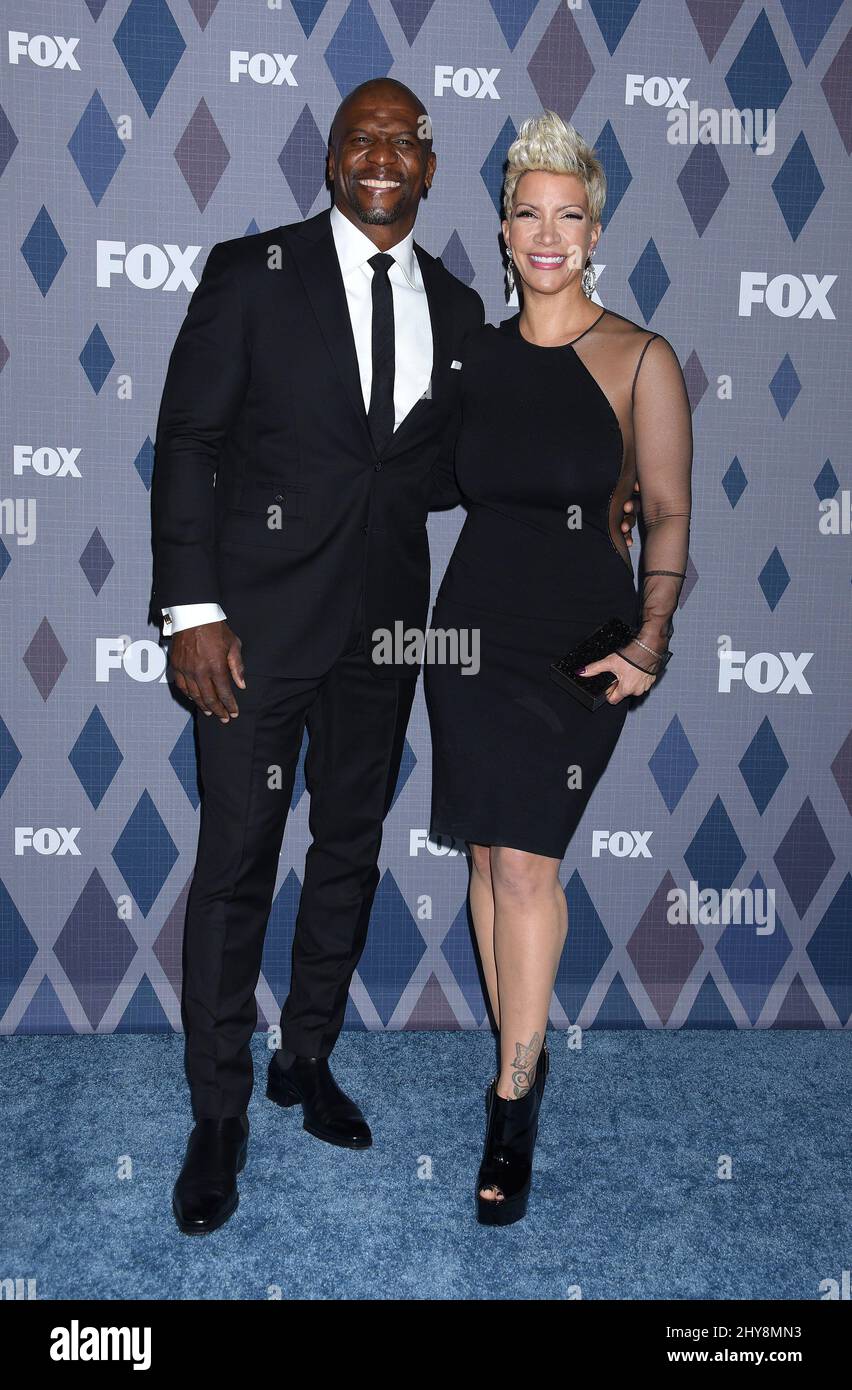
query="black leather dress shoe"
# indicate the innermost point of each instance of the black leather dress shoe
(328, 1113)
(205, 1195)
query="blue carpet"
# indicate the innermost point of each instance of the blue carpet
(626, 1200)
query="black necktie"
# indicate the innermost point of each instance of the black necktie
(380, 416)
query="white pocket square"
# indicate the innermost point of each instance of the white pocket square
(455, 366)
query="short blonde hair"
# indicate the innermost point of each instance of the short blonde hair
(548, 144)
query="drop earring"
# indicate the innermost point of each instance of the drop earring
(590, 278)
(510, 271)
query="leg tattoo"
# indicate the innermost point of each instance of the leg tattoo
(523, 1073)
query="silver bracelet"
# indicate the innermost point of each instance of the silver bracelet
(648, 649)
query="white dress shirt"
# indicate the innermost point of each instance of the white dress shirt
(412, 340)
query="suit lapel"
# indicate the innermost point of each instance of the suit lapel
(437, 303)
(316, 261)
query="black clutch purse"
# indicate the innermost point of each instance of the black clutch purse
(591, 690)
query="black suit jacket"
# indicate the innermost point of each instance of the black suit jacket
(268, 496)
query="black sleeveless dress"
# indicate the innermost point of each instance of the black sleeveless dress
(550, 442)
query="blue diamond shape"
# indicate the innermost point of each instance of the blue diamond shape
(96, 359)
(43, 250)
(394, 949)
(714, 855)
(763, 766)
(613, 17)
(649, 281)
(96, 149)
(809, 22)
(709, 1009)
(758, 78)
(774, 579)
(308, 12)
(618, 1009)
(144, 463)
(586, 949)
(10, 756)
(8, 141)
(19, 949)
(145, 853)
(150, 46)
(798, 187)
(785, 387)
(826, 482)
(616, 168)
(144, 1013)
(513, 16)
(752, 961)
(5, 559)
(357, 49)
(673, 764)
(185, 763)
(96, 757)
(493, 167)
(734, 482)
(45, 1013)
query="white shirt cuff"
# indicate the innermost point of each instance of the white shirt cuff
(190, 615)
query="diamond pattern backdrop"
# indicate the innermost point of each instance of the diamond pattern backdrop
(141, 134)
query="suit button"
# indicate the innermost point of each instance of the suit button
(378, 466)
(364, 529)
(279, 497)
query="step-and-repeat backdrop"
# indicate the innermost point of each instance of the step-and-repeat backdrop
(709, 882)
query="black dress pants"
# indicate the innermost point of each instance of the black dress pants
(356, 725)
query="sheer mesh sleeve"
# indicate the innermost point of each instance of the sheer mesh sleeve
(662, 425)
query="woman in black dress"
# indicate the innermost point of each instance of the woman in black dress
(564, 405)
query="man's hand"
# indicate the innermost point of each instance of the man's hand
(628, 521)
(205, 659)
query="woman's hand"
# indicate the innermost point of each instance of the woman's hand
(631, 681)
(630, 514)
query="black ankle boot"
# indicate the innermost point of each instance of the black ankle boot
(510, 1137)
(541, 1070)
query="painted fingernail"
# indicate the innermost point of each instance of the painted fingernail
(578, 671)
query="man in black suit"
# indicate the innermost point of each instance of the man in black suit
(305, 430)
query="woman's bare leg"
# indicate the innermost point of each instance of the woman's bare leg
(530, 926)
(482, 912)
